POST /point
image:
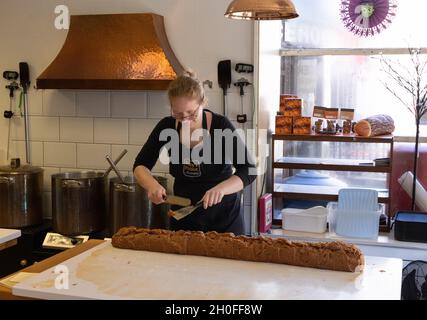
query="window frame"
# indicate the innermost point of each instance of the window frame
(319, 52)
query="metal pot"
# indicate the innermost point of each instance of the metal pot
(21, 194)
(129, 206)
(78, 202)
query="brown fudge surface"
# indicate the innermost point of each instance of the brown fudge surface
(337, 255)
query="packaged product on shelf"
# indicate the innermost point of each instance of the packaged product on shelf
(318, 126)
(346, 127)
(331, 127)
(283, 124)
(347, 114)
(318, 112)
(291, 107)
(283, 98)
(302, 125)
(331, 113)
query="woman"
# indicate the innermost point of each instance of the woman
(207, 180)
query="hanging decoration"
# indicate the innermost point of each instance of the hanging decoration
(367, 18)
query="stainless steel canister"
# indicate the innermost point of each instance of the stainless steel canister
(21, 194)
(129, 206)
(78, 202)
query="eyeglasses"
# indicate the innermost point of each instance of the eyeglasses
(192, 116)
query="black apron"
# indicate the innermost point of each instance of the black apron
(192, 180)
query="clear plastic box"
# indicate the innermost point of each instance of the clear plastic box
(355, 224)
(311, 220)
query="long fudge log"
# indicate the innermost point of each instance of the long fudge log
(336, 255)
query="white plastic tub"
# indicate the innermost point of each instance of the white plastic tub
(354, 224)
(311, 220)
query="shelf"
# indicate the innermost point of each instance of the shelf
(308, 192)
(329, 193)
(334, 138)
(384, 239)
(329, 164)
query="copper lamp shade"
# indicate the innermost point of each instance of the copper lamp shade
(261, 10)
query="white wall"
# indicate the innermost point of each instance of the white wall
(74, 130)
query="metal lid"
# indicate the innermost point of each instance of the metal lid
(16, 168)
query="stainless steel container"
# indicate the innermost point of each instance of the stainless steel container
(78, 202)
(21, 195)
(129, 206)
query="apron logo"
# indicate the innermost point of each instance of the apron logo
(191, 169)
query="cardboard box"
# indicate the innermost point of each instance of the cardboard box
(291, 107)
(301, 125)
(283, 125)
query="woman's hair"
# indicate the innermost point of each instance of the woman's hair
(187, 85)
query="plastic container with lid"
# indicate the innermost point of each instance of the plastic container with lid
(354, 224)
(356, 214)
(311, 220)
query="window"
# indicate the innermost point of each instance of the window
(327, 65)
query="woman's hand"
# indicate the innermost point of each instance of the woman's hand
(156, 193)
(213, 197)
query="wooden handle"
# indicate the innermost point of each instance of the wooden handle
(179, 201)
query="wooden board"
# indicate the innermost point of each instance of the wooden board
(105, 272)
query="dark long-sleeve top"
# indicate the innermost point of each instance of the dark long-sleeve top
(149, 153)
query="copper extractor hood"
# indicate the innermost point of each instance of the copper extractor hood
(113, 52)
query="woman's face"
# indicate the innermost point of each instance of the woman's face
(186, 109)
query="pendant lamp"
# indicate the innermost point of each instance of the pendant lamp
(261, 10)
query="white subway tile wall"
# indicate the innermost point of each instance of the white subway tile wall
(74, 130)
(59, 154)
(140, 129)
(17, 127)
(65, 170)
(215, 103)
(126, 163)
(35, 102)
(59, 103)
(17, 150)
(92, 156)
(234, 104)
(129, 104)
(93, 104)
(47, 177)
(44, 128)
(158, 105)
(111, 131)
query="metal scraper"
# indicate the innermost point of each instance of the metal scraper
(183, 212)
